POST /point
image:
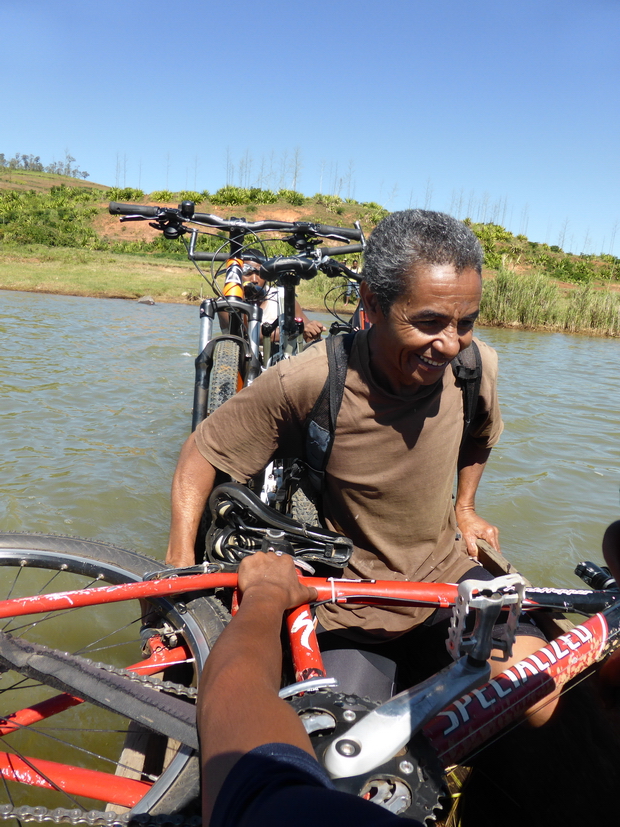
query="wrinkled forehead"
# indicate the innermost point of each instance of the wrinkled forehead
(425, 283)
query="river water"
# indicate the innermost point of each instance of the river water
(96, 399)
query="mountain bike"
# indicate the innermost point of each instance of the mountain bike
(394, 753)
(234, 358)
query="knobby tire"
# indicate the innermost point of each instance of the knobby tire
(224, 376)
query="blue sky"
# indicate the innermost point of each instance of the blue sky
(500, 111)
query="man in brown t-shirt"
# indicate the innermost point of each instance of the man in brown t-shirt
(396, 451)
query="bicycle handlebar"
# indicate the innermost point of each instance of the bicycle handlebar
(185, 213)
(323, 251)
(271, 269)
(266, 225)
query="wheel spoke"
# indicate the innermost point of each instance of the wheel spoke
(93, 737)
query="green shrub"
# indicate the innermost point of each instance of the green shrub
(292, 197)
(163, 196)
(328, 201)
(124, 194)
(230, 196)
(567, 269)
(267, 197)
(191, 195)
(58, 218)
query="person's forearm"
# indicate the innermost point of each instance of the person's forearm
(472, 527)
(471, 467)
(241, 679)
(249, 646)
(238, 705)
(191, 486)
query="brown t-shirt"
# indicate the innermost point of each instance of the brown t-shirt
(390, 475)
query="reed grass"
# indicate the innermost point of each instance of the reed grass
(589, 310)
(533, 301)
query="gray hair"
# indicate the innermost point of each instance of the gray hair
(406, 240)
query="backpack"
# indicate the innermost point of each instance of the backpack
(320, 425)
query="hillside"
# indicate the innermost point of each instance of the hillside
(22, 180)
(55, 210)
(58, 237)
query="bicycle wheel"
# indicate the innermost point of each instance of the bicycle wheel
(82, 735)
(224, 376)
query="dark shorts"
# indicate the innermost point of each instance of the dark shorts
(279, 785)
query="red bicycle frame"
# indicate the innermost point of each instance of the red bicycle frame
(456, 732)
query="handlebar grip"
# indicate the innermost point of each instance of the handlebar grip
(345, 232)
(342, 251)
(132, 209)
(201, 256)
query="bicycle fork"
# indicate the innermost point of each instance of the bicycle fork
(249, 339)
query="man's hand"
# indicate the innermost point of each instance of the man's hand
(272, 576)
(312, 329)
(473, 528)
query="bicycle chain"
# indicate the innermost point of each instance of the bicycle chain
(99, 818)
(148, 680)
(96, 818)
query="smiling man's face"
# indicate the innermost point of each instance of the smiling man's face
(425, 328)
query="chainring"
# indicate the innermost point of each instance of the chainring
(412, 784)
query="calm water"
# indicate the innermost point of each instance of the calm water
(96, 397)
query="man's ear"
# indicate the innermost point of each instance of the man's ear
(371, 303)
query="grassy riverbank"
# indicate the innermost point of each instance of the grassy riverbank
(60, 239)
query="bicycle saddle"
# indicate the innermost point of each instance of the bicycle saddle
(242, 524)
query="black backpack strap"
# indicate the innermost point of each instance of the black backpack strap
(320, 425)
(467, 368)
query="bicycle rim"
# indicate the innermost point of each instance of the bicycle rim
(81, 735)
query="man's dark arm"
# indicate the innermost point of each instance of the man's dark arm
(192, 484)
(238, 704)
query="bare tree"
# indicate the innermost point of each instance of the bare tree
(525, 219)
(321, 178)
(428, 195)
(296, 168)
(612, 241)
(586, 242)
(350, 179)
(562, 236)
(230, 168)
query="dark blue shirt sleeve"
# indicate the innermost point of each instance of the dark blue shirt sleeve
(279, 784)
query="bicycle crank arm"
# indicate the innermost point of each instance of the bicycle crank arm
(381, 733)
